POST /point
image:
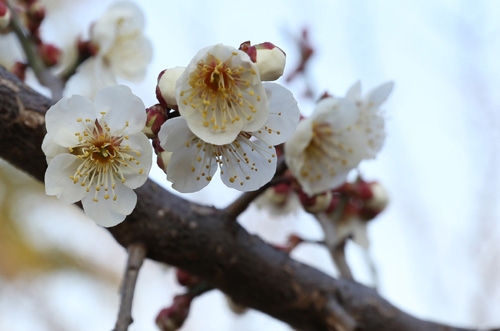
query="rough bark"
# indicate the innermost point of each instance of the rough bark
(210, 244)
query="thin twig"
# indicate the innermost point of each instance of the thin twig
(136, 256)
(239, 205)
(338, 255)
(42, 73)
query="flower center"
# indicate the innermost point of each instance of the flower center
(222, 92)
(104, 157)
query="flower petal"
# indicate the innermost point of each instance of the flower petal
(136, 173)
(108, 212)
(62, 122)
(174, 134)
(247, 165)
(192, 167)
(379, 94)
(58, 182)
(283, 117)
(51, 148)
(122, 109)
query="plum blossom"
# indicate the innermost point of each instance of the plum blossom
(97, 153)
(122, 50)
(246, 163)
(220, 94)
(339, 134)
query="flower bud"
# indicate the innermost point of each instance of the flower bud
(269, 58)
(50, 54)
(163, 157)
(156, 116)
(186, 279)
(165, 88)
(35, 15)
(5, 16)
(172, 318)
(317, 203)
(379, 199)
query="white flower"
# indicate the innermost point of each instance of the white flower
(247, 163)
(220, 94)
(325, 146)
(371, 119)
(122, 50)
(97, 153)
(340, 133)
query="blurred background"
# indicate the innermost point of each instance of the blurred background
(436, 247)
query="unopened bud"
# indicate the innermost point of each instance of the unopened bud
(316, 204)
(50, 54)
(19, 69)
(269, 58)
(186, 279)
(165, 89)
(162, 156)
(156, 116)
(5, 16)
(379, 199)
(172, 318)
(35, 15)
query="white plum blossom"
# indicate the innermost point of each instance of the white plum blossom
(97, 153)
(122, 50)
(246, 163)
(220, 94)
(339, 134)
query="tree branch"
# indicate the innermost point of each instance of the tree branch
(205, 242)
(136, 256)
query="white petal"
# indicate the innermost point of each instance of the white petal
(247, 165)
(51, 148)
(122, 109)
(130, 57)
(107, 212)
(284, 115)
(57, 181)
(137, 174)
(61, 119)
(174, 134)
(354, 92)
(190, 168)
(379, 94)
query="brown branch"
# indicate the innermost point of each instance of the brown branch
(204, 242)
(136, 256)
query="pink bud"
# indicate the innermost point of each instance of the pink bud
(5, 16)
(172, 318)
(156, 116)
(316, 204)
(186, 279)
(49, 53)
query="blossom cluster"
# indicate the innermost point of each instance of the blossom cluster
(229, 119)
